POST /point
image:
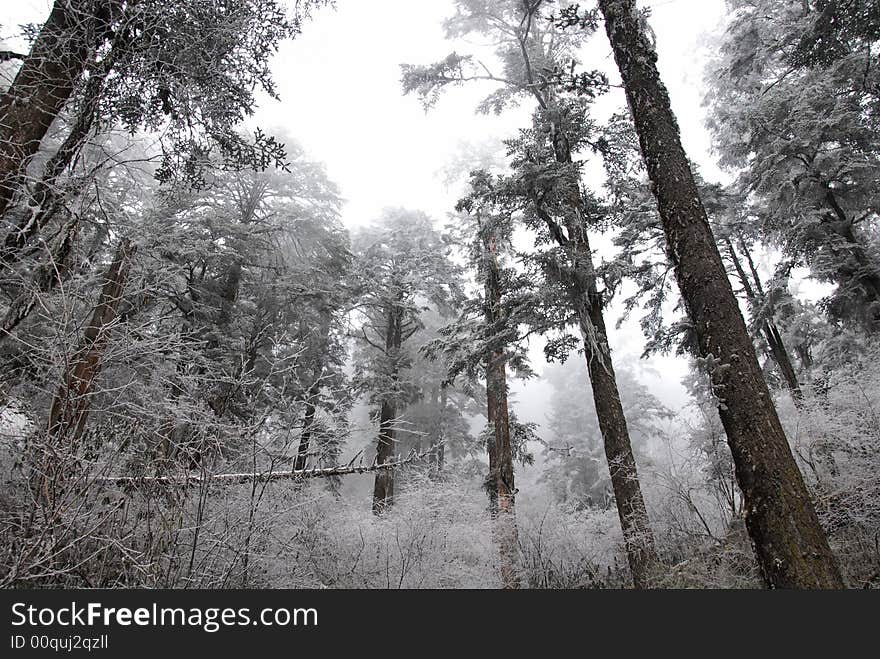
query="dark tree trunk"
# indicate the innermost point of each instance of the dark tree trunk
(318, 360)
(502, 490)
(47, 199)
(771, 333)
(71, 404)
(588, 305)
(855, 264)
(383, 489)
(638, 538)
(44, 85)
(790, 545)
(302, 454)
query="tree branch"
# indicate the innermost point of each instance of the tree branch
(240, 478)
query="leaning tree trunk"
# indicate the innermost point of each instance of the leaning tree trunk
(383, 488)
(772, 335)
(47, 200)
(588, 304)
(501, 476)
(790, 545)
(45, 83)
(72, 402)
(48, 196)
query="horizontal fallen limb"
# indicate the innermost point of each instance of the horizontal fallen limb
(260, 477)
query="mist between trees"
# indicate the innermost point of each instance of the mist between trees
(208, 380)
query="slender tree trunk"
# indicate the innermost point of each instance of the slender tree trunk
(45, 83)
(302, 454)
(318, 359)
(791, 547)
(383, 489)
(769, 330)
(588, 304)
(439, 446)
(71, 404)
(777, 346)
(219, 400)
(502, 490)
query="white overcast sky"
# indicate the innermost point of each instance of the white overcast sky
(340, 96)
(339, 84)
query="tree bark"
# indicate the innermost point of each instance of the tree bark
(771, 333)
(502, 490)
(439, 447)
(46, 198)
(72, 402)
(588, 305)
(43, 85)
(317, 372)
(790, 545)
(383, 488)
(855, 264)
(305, 438)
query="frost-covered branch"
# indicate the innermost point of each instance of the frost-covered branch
(262, 477)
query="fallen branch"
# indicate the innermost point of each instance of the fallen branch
(6, 55)
(240, 478)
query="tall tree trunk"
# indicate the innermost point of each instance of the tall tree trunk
(383, 489)
(502, 490)
(72, 402)
(45, 83)
(588, 304)
(771, 333)
(790, 545)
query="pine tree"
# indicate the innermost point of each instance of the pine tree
(790, 544)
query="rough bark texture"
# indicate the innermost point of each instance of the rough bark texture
(41, 88)
(502, 490)
(790, 545)
(48, 197)
(71, 404)
(638, 537)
